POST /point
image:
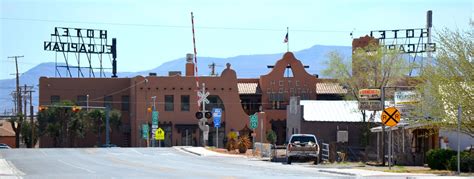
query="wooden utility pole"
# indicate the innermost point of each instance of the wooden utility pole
(18, 102)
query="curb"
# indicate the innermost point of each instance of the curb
(191, 152)
(340, 173)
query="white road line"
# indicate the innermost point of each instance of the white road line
(75, 166)
(134, 150)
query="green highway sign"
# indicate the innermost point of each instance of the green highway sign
(145, 131)
(154, 119)
(253, 121)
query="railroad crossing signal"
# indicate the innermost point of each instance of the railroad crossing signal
(203, 97)
(391, 116)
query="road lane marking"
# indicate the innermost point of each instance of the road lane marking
(75, 166)
(134, 150)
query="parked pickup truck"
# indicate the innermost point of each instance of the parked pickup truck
(302, 146)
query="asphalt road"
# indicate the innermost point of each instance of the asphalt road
(145, 163)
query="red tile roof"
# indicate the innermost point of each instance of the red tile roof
(249, 88)
(330, 88)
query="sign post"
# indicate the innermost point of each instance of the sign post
(217, 114)
(253, 126)
(390, 117)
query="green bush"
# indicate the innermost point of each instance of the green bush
(439, 158)
(467, 162)
(271, 137)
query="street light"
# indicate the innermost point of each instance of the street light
(87, 102)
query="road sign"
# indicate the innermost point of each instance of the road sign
(154, 119)
(391, 116)
(203, 97)
(370, 105)
(217, 114)
(370, 93)
(145, 131)
(253, 121)
(160, 134)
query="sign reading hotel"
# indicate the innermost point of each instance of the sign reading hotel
(405, 40)
(85, 41)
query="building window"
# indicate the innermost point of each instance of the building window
(297, 83)
(292, 91)
(214, 102)
(108, 101)
(125, 103)
(169, 103)
(81, 100)
(184, 102)
(55, 99)
(280, 82)
(280, 90)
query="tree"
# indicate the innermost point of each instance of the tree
(96, 118)
(370, 67)
(449, 81)
(62, 124)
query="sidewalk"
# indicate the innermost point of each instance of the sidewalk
(356, 169)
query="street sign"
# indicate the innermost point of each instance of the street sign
(160, 134)
(203, 97)
(391, 116)
(145, 131)
(253, 121)
(217, 114)
(370, 105)
(154, 119)
(370, 93)
(405, 102)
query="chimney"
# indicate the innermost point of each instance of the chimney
(189, 64)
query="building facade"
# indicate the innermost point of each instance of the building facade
(175, 98)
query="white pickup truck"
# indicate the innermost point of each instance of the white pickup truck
(302, 146)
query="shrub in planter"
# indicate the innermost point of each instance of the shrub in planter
(439, 158)
(467, 162)
(231, 141)
(243, 143)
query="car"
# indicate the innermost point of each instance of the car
(302, 146)
(4, 146)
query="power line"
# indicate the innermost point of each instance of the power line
(181, 26)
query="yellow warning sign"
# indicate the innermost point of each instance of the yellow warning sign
(391, 116)
(160, 134)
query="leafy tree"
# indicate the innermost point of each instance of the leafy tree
(370, 67)
(449, 81)
(96, 119)
(62, 124)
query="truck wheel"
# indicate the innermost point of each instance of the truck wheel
(288, 160)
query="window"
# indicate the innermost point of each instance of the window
(280, 82)
(214, 102)
(125, 103)
(169, 103)
(55, 99)
(297, 83)
(108, 100)
(81, 100)
(184, 102)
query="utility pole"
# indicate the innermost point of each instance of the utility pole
(28, 91)
(18, 102)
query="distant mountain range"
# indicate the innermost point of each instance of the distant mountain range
(246, 66)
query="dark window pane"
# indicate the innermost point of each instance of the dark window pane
(55, 99)
(125, 103)
(81, 100)
(169, 103)
(185, 103)
(108, 101)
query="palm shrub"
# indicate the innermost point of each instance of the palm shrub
(243, 143)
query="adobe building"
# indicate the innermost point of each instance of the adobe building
(176, 102)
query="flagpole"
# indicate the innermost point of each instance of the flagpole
(287, 43)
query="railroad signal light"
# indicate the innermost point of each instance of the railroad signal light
(199, 115)
(148, 109)
(208, 115)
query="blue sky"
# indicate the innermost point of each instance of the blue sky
(150, 33)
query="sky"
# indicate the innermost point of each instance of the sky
(150, 33)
